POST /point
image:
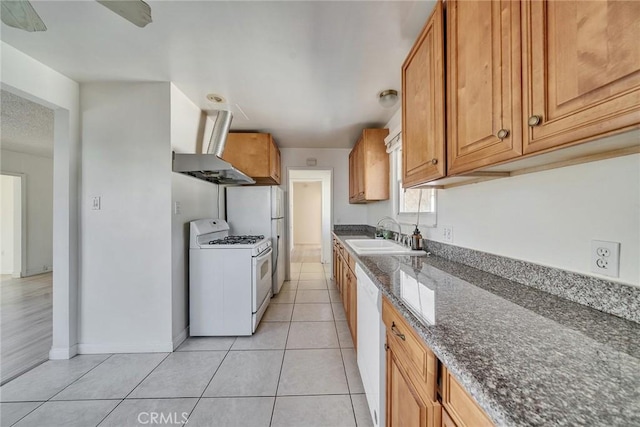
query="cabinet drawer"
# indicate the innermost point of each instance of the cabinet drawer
(410, 348)
(461, 407)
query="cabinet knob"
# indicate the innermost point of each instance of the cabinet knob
(434, 161)
(534, 120)
(502, 133)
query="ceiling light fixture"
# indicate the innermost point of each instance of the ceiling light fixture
(388, 98)
(214, 97)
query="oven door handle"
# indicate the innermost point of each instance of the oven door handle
(264, 254)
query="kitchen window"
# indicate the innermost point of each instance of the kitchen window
(406, 201)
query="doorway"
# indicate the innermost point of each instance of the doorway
(26, 234)
(306, 221)
(12, 231)
(310, 210)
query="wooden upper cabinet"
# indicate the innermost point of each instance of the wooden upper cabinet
(581, 70)
(423, 110)
(369, 168)
(483, 83)
(274, 162)
(255, 154)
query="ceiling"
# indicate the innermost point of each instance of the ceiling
(27, 127)
(307, 71)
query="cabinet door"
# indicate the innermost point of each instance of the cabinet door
(352, 176)
(335, 263)
(346, 283)
(483, 83)
(581, 66)
(405, 406)
(446, 419)
(359, 170)
(376, 164)
(248, 152)
(423, 112)
(274, 162)
(352, 312)
(339, 277)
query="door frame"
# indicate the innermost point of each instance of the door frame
(306, 174)
(19, 243)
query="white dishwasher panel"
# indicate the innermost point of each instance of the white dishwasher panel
(371, 339)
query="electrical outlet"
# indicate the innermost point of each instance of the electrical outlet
(95, 203)
(177, 208)
(605, 258)
(447, 234)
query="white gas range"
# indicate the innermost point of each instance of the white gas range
(229, 280)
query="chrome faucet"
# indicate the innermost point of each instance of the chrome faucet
(393, 221)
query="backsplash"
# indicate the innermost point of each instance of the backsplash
(604, 295)
(610, 297)
(354, 228)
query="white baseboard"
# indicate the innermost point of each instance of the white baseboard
(63, 353)
(179, 339)
(35, 272)
(151, 347)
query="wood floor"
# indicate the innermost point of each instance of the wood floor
(25, 323)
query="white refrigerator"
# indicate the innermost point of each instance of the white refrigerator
(260, 210)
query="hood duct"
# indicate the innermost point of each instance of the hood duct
(210, 167)
(219, 133)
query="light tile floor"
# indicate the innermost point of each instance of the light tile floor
(299, 369)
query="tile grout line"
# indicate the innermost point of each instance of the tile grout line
(284, 354)
(63, 389)
(344, 366)
(209, 382)
(136, 386)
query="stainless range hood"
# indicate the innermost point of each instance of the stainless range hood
(210, 167)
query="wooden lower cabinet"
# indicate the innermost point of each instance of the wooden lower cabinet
(418, 393)
(352, 310)
(446, 419)
(407, 406)
(347, 285)
(460, 406)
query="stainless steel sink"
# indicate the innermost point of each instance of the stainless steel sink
(380, 247)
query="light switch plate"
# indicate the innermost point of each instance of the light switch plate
(95, 203)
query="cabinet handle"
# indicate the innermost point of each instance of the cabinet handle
(534, 120)
(502, 134)
(434, 161)
(396, 332)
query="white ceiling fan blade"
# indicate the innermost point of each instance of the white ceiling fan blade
(20, 14)
(135, 11)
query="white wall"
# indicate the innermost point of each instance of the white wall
(38, 172)
(307, 213)
(548, 217)
(197, 199)
(551, 217)
(7, 207)
(329, 158)
(125, 298)
(26, 77)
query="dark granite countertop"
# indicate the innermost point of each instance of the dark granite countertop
(529, 358)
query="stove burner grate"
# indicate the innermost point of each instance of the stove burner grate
(237, 240)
